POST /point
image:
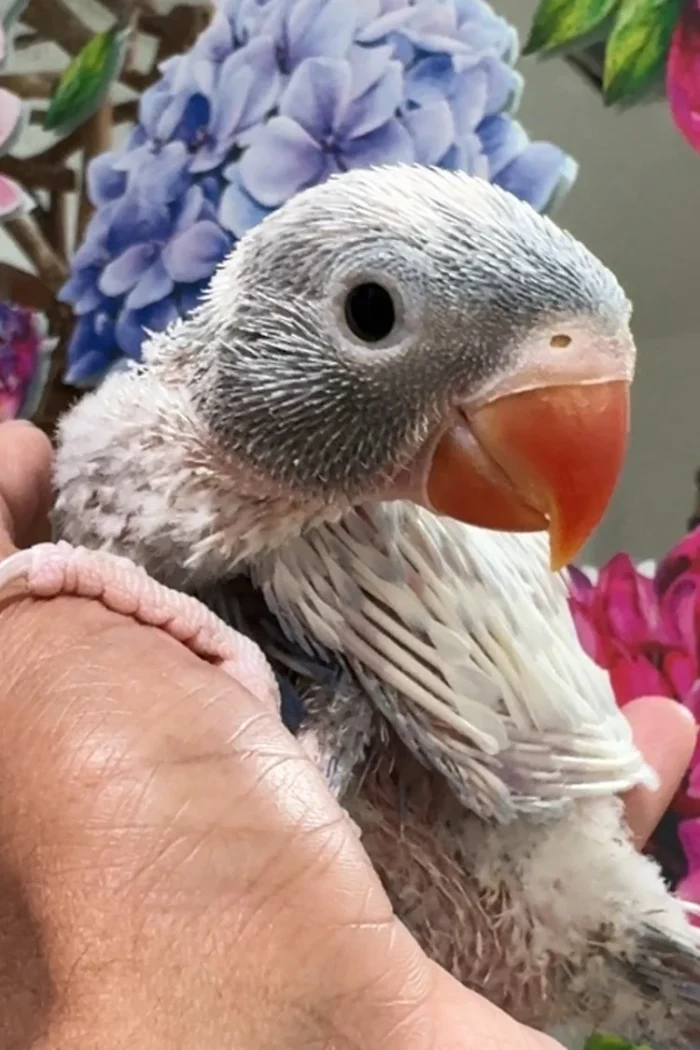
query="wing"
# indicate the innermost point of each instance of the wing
(321, 702)
(463, 640)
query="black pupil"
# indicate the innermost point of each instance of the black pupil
(369, 312)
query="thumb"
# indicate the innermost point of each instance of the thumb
(25, 485)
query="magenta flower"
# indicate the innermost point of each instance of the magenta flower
(24, 354)
(683, 74)
(645, 632)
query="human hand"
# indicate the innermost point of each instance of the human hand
(174, 872)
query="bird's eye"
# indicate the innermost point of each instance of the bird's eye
(370, 312)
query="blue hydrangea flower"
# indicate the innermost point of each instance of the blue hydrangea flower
(275, 96)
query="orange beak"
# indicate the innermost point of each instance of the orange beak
(540, 459)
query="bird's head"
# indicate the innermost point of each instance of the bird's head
(410, 333)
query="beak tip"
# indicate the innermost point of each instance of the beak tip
(559, 561)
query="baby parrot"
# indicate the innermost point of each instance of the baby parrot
(353, 451)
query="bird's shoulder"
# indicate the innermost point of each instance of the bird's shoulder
(321, 701)
(464, 641)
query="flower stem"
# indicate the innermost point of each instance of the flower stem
(28, 237)
(29, 85)
(56, 225)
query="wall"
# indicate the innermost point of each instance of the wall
(655, 495)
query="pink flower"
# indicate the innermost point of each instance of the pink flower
(646, 634)
(683, 74)
(618, 623)
(24, 351)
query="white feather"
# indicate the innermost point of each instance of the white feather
(465, 640)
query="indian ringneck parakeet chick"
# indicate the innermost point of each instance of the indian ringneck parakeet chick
(384, 372)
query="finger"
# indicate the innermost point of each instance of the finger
(25, 485)
(465, 1021)
(665, 733)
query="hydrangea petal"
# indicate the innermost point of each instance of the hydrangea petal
(367, 65)
(194, 254)
(188, 123)
(384, 25)
(238, 212)
(503, 140)
(134, 222)
(435, 42)
(89, 365)
(469, 100)
(153, 285)
(81, 290)
(376, 106)
(540, 175)
(467, 155)
(132, 160)
(92, 348)
(432, 130)
(484, 30)
(105, 183)
(216, 42)
(430, 80)
(504, 86)
(261, 101)
(165, 175)
(320, 27)
(154, 103)
(390, 144)
(93, 251)
(317, 96)
(133, 325)
(282, 160)
(188, 209)
(122, 273)
(234, 89)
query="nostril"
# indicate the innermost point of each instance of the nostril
(560, 340)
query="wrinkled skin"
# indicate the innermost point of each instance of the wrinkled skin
(173, 871)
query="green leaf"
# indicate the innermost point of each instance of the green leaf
(635, 56)
(561, 23)
(599, 1041)
(85, 84)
